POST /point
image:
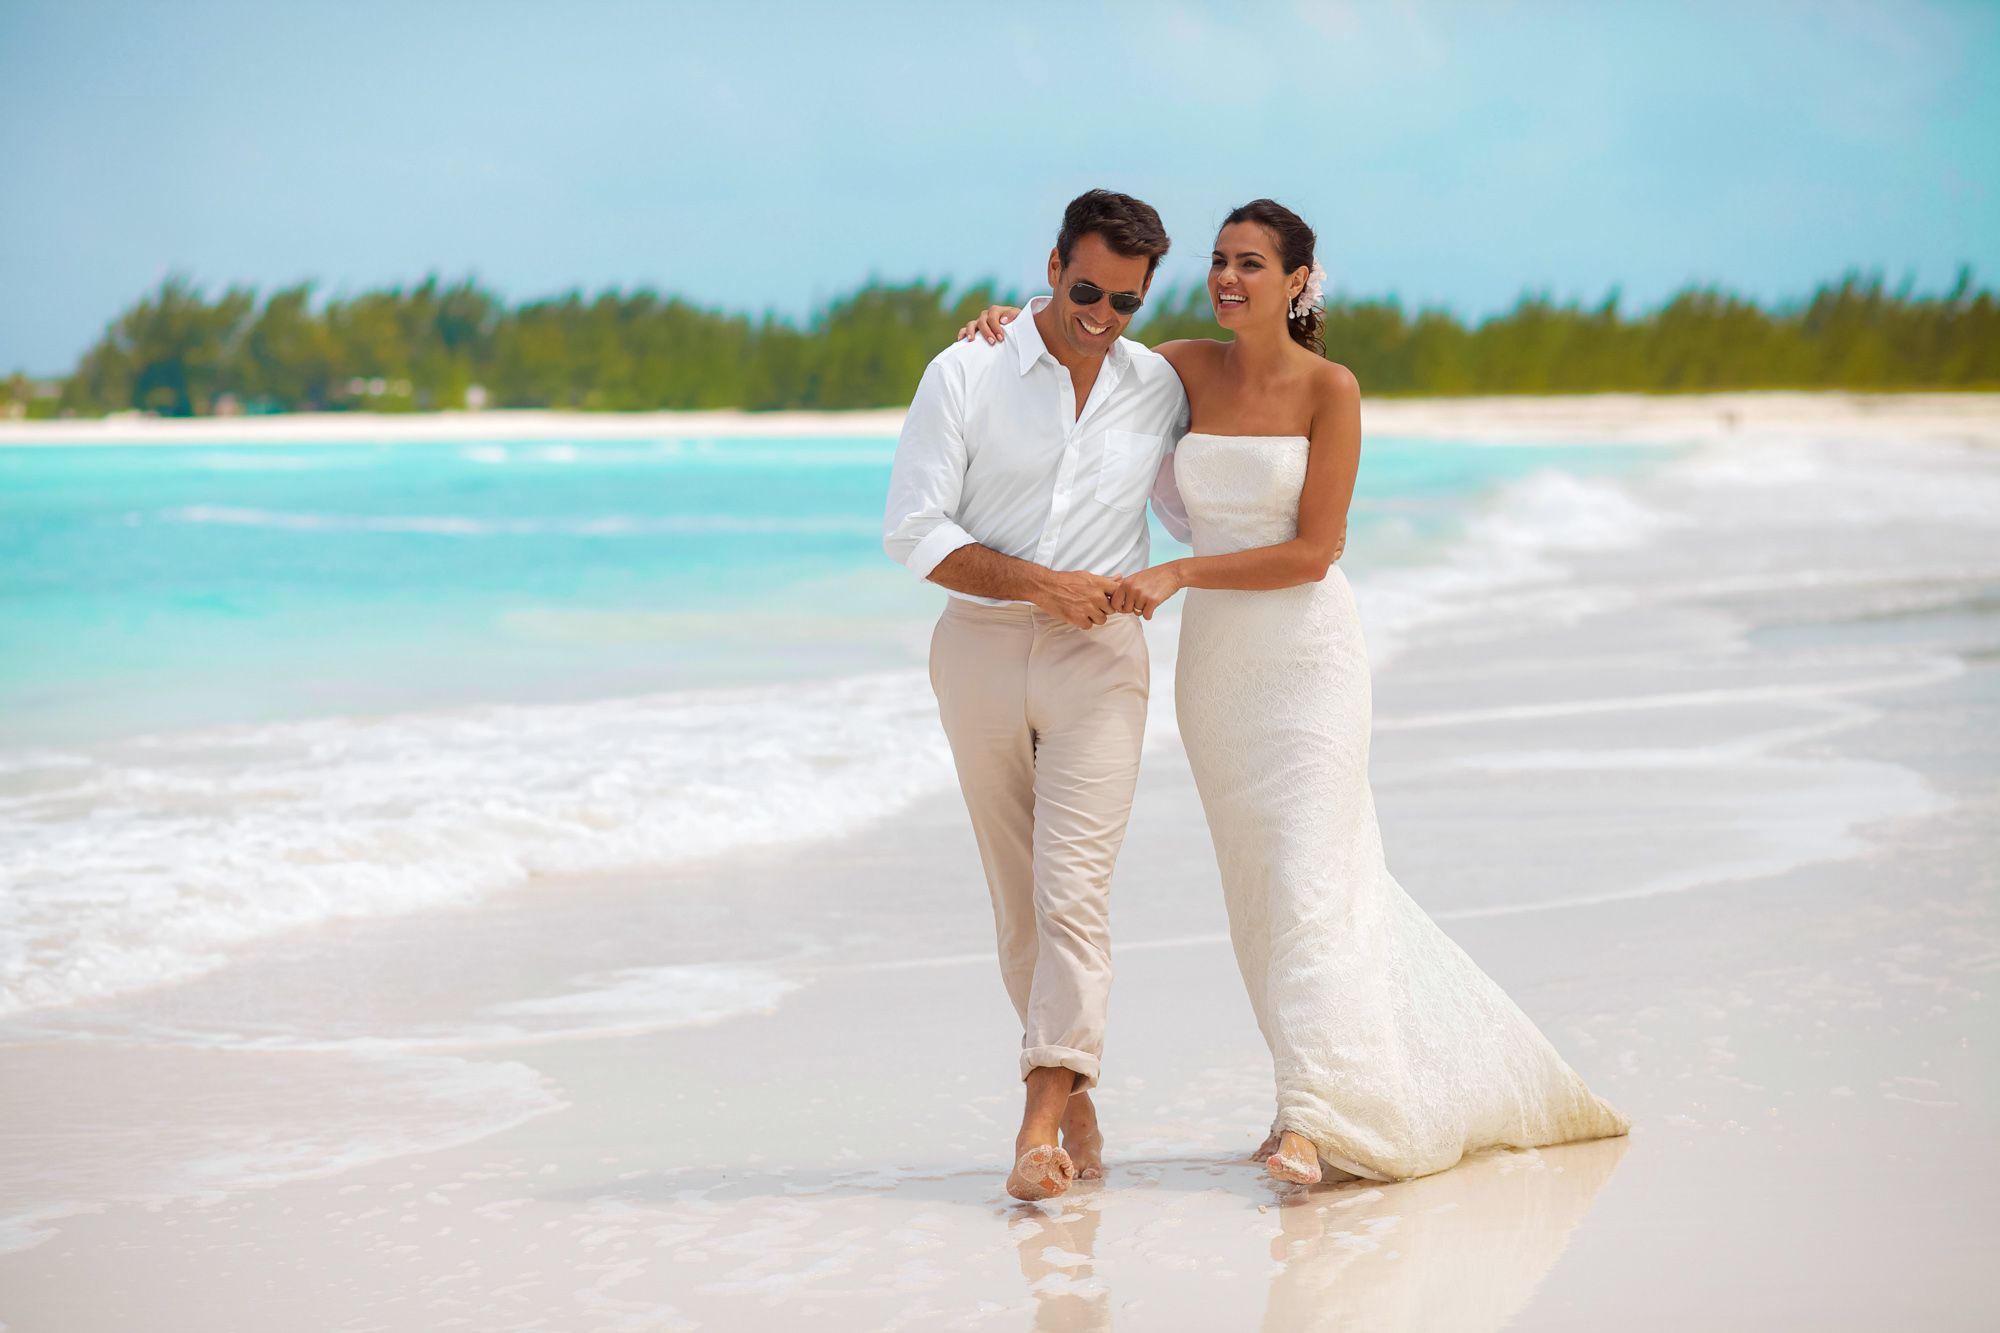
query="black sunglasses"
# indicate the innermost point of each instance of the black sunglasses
(1084, 293)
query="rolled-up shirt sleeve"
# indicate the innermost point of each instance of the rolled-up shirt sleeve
(920, 527)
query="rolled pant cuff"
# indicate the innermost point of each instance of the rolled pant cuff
(1064, 1057)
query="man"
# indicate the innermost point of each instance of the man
(1020, 486)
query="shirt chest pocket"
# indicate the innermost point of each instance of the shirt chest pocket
(1129, 460)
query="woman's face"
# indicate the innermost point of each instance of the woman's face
(1247, 282)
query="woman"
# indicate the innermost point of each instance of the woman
(1395, 1055)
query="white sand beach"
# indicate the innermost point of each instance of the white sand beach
(503, 424)
(1713, 790)
(1595, 418)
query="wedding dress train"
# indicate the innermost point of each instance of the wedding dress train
(1394, 1053)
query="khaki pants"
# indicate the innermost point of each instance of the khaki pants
(1045, 722)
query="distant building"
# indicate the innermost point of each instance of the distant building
(21, 397)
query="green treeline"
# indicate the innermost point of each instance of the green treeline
(178, 352)
(411, 349)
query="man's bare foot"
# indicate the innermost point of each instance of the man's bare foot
(1296, 1160)
(1041, 1169)
(1267, 1147)
(1041, 1173)
(1082, 1139)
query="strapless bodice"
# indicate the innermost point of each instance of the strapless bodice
(1240, 491)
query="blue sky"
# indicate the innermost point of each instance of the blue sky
(756, 155)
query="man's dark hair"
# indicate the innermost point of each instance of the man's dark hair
(1129, 226)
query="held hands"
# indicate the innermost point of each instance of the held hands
(990, 323)
(1087, 600)
(1141, 594)
(1079, 598)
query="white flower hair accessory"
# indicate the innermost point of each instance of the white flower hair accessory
(1313, 295)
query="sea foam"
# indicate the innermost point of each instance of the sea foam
(145, 862)
(1519, 539)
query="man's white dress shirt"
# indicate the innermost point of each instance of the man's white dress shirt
(993, 451)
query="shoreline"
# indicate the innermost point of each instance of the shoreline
(1702, 775)
(1970, 416)
(633, 1100)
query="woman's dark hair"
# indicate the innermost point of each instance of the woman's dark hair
(1296, 244)
(1129, 226)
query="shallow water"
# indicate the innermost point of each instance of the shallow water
(245, 690)
(1696, 760)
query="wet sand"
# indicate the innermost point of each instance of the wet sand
(1719, 806)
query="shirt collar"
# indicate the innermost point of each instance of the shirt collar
(1026, 335)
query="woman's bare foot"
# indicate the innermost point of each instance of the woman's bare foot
(1041, 1173)
(1296, 1160)
(1082, 1139)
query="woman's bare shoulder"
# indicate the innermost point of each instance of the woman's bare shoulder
(1334, 382)
(1336, 400)
(1186, 353)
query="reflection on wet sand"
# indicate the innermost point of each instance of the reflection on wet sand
(1056, 1259)
(1464, 1249)
(1461, 1250)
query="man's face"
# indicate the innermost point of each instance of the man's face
(1090, 330)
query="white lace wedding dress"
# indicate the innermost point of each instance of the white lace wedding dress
(1394, 1053)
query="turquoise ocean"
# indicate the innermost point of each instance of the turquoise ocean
(246, 689)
